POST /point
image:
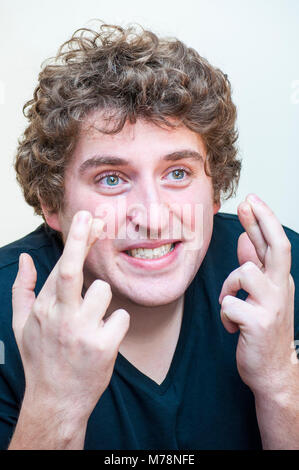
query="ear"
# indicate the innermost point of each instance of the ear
(52, 218)
(217, 206)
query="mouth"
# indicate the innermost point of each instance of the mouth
(153, 259)
(151, 253)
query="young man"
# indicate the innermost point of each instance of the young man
(142, 319)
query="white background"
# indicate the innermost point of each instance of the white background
(255, 42)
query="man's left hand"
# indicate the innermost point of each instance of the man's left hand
(266, 318)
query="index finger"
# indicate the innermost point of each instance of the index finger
(277, 261)
(69, 280)
(258, 246)
(52, 285)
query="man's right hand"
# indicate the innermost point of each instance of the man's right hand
(67, 349)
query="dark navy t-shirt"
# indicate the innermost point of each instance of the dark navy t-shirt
(201, 404)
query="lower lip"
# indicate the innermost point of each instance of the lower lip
(156, 263)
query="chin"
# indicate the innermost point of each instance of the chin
(153, 297)
(151, 303)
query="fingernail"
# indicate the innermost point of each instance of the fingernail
(83, 217)
(245, 208)
(254, 198)
(98, 225)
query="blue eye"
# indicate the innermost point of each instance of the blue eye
(178, 174)
(179, 177)
(112, 180)
(109, 179)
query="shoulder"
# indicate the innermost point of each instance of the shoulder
(44, 247)
(35, 243)
(223, 246)
(228, 225)
(43, 244)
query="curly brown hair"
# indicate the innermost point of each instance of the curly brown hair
(129, 73)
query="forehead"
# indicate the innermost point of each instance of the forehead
(134, 142)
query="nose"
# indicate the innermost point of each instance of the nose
(147, 213)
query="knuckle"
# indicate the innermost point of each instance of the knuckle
(63, 337)
(275, 290)
(99, 346)
(248, 267)
(38, 308)
(292, 284)
(70, 335)
(15, 325)
(67, 272)
(285, 246)
(15, 287)
(14, 292)
(265, 322)
(266, 318)
(104, 286)
(102, 346)
(76, 236)
(226, 302)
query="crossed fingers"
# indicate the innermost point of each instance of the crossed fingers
(261, 279)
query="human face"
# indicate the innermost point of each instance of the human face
(163, 174)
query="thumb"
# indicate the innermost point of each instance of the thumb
(23, 295)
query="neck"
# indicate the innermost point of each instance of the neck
(148, 323)
(152, 337)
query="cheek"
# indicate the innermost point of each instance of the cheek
(78, 197)
(197, 208)
(99, 261)
(114, 216)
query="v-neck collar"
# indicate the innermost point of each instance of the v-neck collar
(127, 369)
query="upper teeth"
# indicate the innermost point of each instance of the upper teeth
(149, 254)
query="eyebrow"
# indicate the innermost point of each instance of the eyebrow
(101, 160)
